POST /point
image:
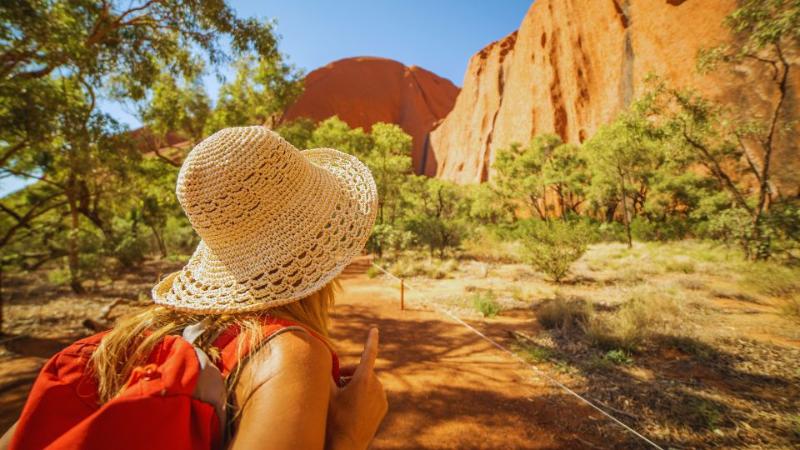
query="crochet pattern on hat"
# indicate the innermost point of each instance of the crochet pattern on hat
(276, 224)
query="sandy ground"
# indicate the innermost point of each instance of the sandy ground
(448, 388)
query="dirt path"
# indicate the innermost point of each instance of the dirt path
(448, 388)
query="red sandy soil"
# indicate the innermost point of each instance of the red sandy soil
(448, 388)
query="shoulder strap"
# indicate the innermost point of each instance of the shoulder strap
(234, 351)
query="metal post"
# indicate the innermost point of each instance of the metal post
(402, 296)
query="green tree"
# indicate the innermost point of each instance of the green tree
(437, 213)
(56, 59)
(335, 133)
(565, 172)
(174, 107)
(389, 161)
(519, 172)
(552, 247)
(624, 157)
(764, 32)
(298, 132)
(260, 92)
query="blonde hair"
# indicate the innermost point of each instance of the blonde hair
(129, 344)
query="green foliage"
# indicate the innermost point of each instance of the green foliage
(524, 175)
(389, 161)
(485, 303)
(553, 246)
(298, 132)
(407, 267)
(534, 353)
(258, 95)
(335, 133)
(436, 213)
(618, 357)
(59, 59)
(386, 237)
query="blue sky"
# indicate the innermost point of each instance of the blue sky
(438, 35)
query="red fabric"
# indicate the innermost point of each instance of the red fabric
(155, 410)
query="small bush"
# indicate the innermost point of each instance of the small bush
(682, 266)
(130, 250)
(692, 284)
(704, 413)
(646, 313)
(534, 353)
(618, 357)
(373, 272)
(485, 303)
(564, 314)
(487, 246)
(552, 247)
(426, 267)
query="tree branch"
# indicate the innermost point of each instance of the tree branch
(27, 175)
(712, 164)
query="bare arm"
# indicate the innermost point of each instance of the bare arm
(284, 391)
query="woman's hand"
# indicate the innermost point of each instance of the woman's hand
(357, 409)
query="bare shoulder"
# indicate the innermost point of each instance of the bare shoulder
(292, 355)
(295, 350)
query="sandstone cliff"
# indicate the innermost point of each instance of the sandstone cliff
(572, 66)
(363, 91)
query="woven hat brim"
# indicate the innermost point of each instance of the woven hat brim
(344, 200)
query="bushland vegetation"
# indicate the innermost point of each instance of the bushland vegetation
(674, 165)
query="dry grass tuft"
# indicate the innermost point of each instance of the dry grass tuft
(647, 312)
(564, 314)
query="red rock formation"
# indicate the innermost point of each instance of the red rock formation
(573, 65)
(363, 91)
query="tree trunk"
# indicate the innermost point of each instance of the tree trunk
(162, 247)
(625, 218)
(73, 260)
(2, 300)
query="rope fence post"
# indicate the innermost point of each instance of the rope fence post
(402, 295)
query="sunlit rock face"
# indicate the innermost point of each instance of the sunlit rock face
(365, 90)
(573, 65)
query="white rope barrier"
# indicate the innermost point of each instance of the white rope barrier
(533, 368)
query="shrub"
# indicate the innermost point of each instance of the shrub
(487, 245)
(412, 266)
(564, 314)
(485, 303)
(618, 357)
(552, 247)
(681, 266)
(130, 250)
(646, 313)
(534, 353)
(386, 237)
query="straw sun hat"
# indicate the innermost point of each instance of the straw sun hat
(276, 224)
